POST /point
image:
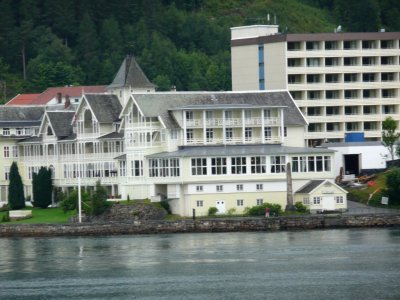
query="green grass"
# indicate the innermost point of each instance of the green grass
(43, 216)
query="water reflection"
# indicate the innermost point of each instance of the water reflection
(347, 264)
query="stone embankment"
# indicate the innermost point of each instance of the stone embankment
(199, 225)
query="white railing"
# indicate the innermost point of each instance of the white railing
(232, 122)
(235, 141)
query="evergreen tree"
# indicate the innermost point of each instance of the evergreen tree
(99, 202)
(42, 187)
(16, 198)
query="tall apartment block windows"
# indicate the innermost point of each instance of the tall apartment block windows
(261, 75)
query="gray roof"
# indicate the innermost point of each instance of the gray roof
(61, 122)
(32, 139)
(18, 116)
(310, 186)
(106, 107)
(71, 137)
(131, 75)
(161, 104)
(232, 150)
(112, 135)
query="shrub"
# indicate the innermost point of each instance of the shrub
(165, 205)
(99, 203)
(212, 211)
(300, 207)
(259, 210)
(393, 186)
(231, 211)
(128, 199)
(6, 217)
(5, 207)
(70, 202)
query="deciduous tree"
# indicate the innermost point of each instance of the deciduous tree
(389, 134)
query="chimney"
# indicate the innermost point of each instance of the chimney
(59, 98)
(67, 101)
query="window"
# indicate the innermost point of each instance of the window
(239, 202)
(189, 115)
(327, 163)
(220, 188)
(350, 61)
(14, 151)
(319, 163)
(259, 201)
(209, 134)
(387, 76)
(268, 133)
(350, 45)
(163, 167)
(19, 131)
(27, 131)
(313, 62)
(248, 133)
(6, 152)
(122, 168)
(259, 187)
(209, 114)
(317, 200)
(228, 134)
(199, 188)
(339, 199)
(331, 78)
(199, 166)
(299, 164)
(189, 135)
(239, 187)
(6, 131)
(387, 44)
(199, 203)
(311, 164)
(7, 173)
(218, 165)
(238, 165)
(258, 164)
(247, 114)
(228, 114)
(137, 168)
(278, 164)
(174, 134)
(351, 77)
(313, 78)
(306, 200)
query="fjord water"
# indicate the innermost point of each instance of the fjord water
(328, 264)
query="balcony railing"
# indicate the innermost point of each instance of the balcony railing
(236, 140)
(232, 122)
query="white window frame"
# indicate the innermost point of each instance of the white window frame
(259, 187)
(239, 202)
(239, 187)
(219, 188)
(259, 201)
(199, 188)
(199, 203)
(198, 166)
(317, 200)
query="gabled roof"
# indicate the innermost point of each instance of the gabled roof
(22, 99)
(309, 187)
(106, 107)
(112, 135)
(72, 91)
(61, 122)
(131, 75)
(20, 116)
(162, 104)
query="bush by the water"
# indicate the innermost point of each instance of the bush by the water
(212, 211)
(393, 186)
(300, 207)
(259, 210)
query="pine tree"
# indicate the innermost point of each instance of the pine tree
(16, 198)
(99, 202)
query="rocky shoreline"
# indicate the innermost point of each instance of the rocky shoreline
(200, 225)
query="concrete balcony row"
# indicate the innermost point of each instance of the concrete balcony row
(342, 69)
(349, 101)
(350, 118)
(232, 122)
(342, 53)
(344, 85)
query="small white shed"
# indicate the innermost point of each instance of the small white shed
(322, 195)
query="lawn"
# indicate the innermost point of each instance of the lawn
(362, 194)
(43, 216)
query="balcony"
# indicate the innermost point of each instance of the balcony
(232, 122)
(235, 141)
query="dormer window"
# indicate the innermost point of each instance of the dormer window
(6, 131)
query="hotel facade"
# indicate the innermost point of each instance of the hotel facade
(345, 84)
(196, 150)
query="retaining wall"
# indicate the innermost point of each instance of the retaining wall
(199, 225)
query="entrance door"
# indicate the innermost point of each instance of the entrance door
(220, 205)
(328, 203)
(351, 164)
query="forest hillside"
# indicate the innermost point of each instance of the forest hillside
(186, 43)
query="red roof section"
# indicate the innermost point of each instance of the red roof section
(72, 91)
(22, 99)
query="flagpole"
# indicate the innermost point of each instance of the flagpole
(79, 188)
